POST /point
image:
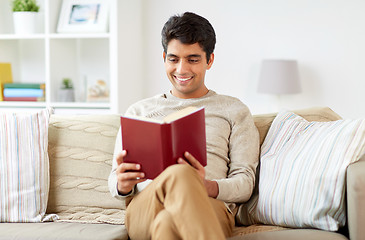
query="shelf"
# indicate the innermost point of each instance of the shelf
(49, 57)
(21, 104)
(21, 37)
(76, 36)
(10, 104)
(80, 105)
(53, 36)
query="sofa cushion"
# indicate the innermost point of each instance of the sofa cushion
(297, 234)
(62, 231)
(263, 123)
(302, 175)
(24, 166)
(319, 114)
(81, 150)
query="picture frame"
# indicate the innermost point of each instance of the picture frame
(83, 16)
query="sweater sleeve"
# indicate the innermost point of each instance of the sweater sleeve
(112, 180)
(243, 159)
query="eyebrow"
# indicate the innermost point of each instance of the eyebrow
(189, 56)
(194, 56)
(171, 55)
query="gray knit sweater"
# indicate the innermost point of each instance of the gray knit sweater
(232, 142)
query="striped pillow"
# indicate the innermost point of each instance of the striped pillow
(24, 167)
(302, 175)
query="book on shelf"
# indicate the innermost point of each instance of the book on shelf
(24, 99)
(5, 76)
(155, 144)
(23, 92)
(25, 85)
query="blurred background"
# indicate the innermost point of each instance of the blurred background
(325, 37)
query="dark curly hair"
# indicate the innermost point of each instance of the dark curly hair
(189, 28)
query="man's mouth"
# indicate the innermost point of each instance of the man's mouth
(183, 79)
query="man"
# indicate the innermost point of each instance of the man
(188, 201)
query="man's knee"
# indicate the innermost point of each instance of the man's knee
(179, 171)
(179, 175)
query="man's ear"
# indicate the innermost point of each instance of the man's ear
(164, 56)
(211, 60)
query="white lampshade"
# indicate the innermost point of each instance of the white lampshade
(279, 77)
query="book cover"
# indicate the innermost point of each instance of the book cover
(23, 92)
(5, 76)
(25, 85)
(158, 144)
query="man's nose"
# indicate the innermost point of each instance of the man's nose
(182, 66)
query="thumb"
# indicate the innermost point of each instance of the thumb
(120, 157)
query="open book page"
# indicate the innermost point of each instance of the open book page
(146, 119)
(169, 118)
(179, 114)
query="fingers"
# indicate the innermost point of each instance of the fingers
(131, 176)
(182, 161)
(125, 167)
(193, 161)
(120, 157)
(127, 181)
(129, 171)
(128, 174)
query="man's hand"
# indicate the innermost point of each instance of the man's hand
(128, 174)
(211, 186)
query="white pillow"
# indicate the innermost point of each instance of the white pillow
(24, 166)
(303, 168)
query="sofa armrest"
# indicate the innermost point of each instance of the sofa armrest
(356, 199)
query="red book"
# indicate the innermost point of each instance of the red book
(158, 144)
(27, 99)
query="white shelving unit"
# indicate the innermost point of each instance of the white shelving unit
(48, 57)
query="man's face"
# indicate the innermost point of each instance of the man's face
(185, 66)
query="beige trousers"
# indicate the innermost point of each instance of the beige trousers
(176, 206)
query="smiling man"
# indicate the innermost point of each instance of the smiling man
(188, 201)
(185, 67)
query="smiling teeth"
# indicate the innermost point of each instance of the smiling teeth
(183, 79)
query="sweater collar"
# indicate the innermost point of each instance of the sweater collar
(172, 97)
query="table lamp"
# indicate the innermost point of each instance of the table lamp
(279, 77)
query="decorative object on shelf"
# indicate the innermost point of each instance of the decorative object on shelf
(5, 77)
(278, 77)
(25, 15)
(97, 90)
(83, 16)
(66, 93)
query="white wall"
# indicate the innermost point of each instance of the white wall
(130, 50)
(327, 37)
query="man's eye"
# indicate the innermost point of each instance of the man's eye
(173, 60)
(193, 60)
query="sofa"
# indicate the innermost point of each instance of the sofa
(80, 149)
